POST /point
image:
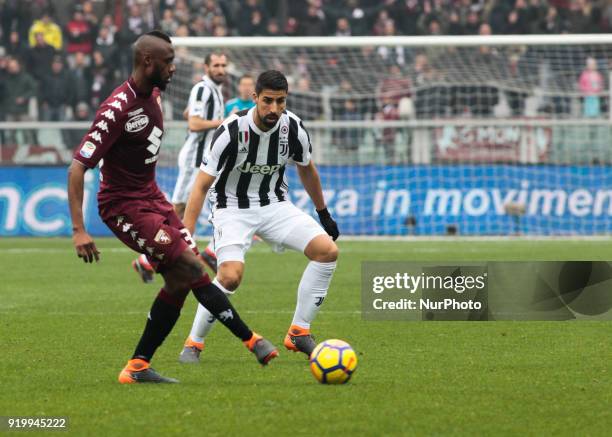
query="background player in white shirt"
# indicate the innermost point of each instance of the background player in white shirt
(246, 170)
(205, 112)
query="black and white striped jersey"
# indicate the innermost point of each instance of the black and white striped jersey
(206, 102)
(249, 164)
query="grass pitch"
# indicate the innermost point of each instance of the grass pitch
(67, 328)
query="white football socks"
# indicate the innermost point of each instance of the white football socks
(204, 320)
(311, 291)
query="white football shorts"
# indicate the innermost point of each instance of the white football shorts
(280, 223)
(187, 172)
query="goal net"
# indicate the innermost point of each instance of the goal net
(496, 135)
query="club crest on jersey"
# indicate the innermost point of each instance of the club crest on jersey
(162, 237)
(88, 149)
(284, 147)
(137, 123)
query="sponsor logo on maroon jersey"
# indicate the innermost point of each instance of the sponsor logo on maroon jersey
(136, 112)
(162, 237)
(137, 123)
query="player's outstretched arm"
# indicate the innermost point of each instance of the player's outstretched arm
(198, 124)
(312, 184)
(83, 243)
(193, 209)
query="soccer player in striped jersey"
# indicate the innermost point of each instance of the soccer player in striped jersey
(205, 112)
(246, 171)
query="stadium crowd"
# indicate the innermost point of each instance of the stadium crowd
(70, 54)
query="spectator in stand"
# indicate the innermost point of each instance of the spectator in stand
(3, 73)
(105, 44)
(109, 23)
(552, 22)
(213, 15)
(79, 34)
(51, 32)
(517, 23)
(73, 137)
(81, 78)
(102, 79)
(607, 15)
(388, 112)
(583, 17)
(391, 55)
(15, 48)
(304, 102)
(198, 27)
(148, 11)
(182, 31)
(357, 18)
(436, 11)
(535, 12)
(272, 28)
(220, 31)
(291, 27)
(345, 107)
(15, 15)
(181, 12)
(516, 71)
(391, 90)
(343, 27)
(92, 11)
(168, 23)
(407, 14)
(55, 92)
(472, 23)
(314, 22)
(135, 24)
(257, 25)
(250, 18)
(591, 85)
(20, 87)
(394, 86)
(430, 99)
(381, 20)
(40, 57)
(454, 25)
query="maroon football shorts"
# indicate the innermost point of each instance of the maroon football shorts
(150, 227)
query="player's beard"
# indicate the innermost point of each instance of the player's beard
(218, 79)
(157, 81)
(269, 121)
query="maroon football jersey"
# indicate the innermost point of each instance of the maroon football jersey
(125, 138)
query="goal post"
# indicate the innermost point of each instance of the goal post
(429, 136)
(443, 135)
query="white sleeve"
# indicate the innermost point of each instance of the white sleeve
(219, 149)
(197, 100)
(306, 147)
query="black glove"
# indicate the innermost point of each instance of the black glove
(330, 226)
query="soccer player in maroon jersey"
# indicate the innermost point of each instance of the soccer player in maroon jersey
(126, 134)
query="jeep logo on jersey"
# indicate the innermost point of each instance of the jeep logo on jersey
(247, 167)
(137, 123)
